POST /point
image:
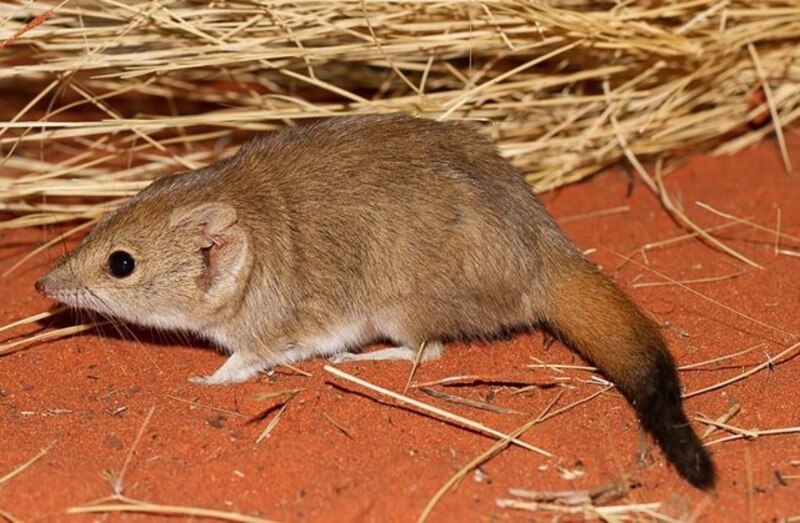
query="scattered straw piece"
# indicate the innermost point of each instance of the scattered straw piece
(417, 359)
(558, 367)
(607, 513)
(209, 407)
(499, 446)
(33, 24)
(599, 495)
(434, 410)
(337, 425)
(699, 364)
(165, 510)
(776, 119)
(272, 423)
(264, 396)
(469, 402)
(730, 428)
(727, 416)
(771, 362)
(296, 370)
(473, 379)
(496, 447)
(595, 214)
(666, 201)
(791, 335)
(33, 319)
(116, 480)
(49, 335)
(683, 237)
(27, 464)
(9, 517)
(754, 434)
(710, 279)
(748, 222)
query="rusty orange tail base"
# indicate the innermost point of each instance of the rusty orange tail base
(590, 314)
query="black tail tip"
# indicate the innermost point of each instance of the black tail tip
(700, 471)
(661, 412)
(695, 465)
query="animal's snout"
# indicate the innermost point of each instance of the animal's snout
(41, 285)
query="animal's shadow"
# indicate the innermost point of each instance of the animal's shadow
(114, 328)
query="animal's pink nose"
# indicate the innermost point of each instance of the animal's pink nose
(41, 286)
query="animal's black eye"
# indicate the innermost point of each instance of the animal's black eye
(120, 264)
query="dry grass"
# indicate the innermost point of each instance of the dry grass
(586, 503)
(116, 479)
(123, 91)
(441, 413)
(492, 451)
(782, 356)
(102, 97)
(9, 346)
(25, 465)
(272, 423)
(127, 505)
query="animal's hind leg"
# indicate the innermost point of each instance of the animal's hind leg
(430, 351)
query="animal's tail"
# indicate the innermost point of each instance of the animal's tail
(590, 314)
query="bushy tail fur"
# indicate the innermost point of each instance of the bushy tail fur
(590, 314)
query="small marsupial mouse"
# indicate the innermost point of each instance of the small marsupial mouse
(319, 239)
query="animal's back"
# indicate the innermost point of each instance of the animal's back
(403, 214)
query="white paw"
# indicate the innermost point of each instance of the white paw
(203, 380)
(433, 350)
(235, 370)
(343, 357)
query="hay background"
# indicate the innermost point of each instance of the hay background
(100, 97)
(97, 98)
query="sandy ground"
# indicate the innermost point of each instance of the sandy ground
(104, 404)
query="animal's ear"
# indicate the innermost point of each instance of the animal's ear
(222, 245)
(209, 223)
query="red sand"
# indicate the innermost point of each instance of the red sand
(88, 396)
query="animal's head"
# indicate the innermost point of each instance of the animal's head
(157, 264)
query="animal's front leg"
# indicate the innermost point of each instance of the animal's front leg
(239, 367)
